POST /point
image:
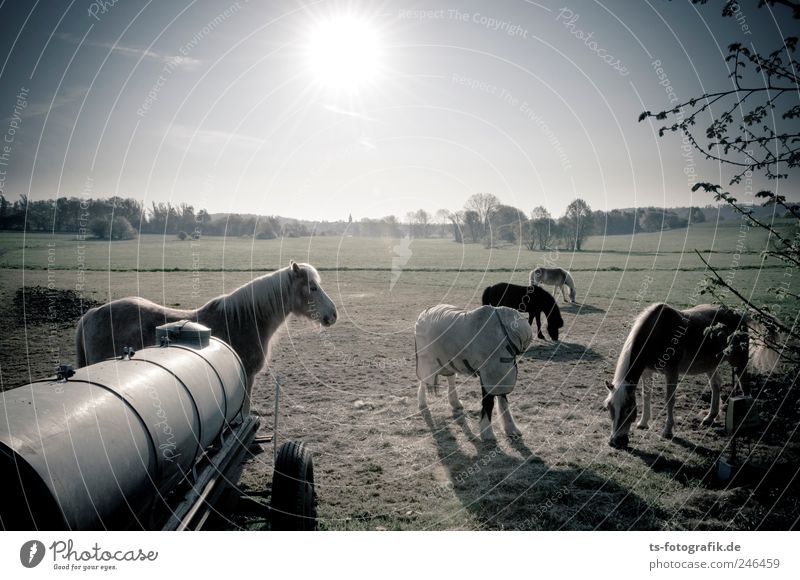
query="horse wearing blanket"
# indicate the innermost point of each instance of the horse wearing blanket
(484, 342)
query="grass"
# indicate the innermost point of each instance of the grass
(726, 246)
(349, 392)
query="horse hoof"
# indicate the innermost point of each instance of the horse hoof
(709, 421)
(458, 411)
(667, 434)
(643, 427)
(514, 436)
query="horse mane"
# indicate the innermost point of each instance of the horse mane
(261, 297)
(624, 360)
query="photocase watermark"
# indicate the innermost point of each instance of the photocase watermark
(687, 149)
(180, 61)
(7, 145)
(521, 105)
(100, 8)
(741, 19)
(489, 22)
(569, 18)
(543, 507)
(31, 553)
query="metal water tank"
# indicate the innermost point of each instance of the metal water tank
(103, 447)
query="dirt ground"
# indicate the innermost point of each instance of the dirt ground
(350, 394)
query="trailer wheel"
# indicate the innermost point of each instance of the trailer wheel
(293, 500)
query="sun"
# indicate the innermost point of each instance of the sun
(344, 53)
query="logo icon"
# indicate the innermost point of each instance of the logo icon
(31, 553)
(402, 254)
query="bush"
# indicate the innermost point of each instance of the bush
(182, 235)
(118, 229)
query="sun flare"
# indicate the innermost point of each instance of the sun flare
(344, 53)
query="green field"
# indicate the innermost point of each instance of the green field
(350, 391)
(726, 245)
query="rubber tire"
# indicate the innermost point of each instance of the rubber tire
(293, 502)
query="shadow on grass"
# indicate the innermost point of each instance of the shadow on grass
(561, 351)
(518, 491)
(578, 308)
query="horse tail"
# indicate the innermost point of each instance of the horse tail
(570, 284)
(763, 358)
(486, 297)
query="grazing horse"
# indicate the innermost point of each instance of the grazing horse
(246, 318)
(484, 342)
(531, 299)
(674, 343)
(558, 277)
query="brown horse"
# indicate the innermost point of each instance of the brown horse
(246, 318)
(675, 343)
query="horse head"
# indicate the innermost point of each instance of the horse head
(308, 297)
(553, 314)
(621, 406)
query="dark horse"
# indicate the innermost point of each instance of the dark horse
(534, 300)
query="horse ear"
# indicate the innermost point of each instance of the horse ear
(609, 386)
(295, 267)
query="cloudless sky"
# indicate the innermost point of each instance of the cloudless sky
(469, 96)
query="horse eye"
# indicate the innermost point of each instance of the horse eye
(313, 288)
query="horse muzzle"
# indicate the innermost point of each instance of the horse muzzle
(329, 319)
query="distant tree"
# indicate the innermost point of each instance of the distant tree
(457, 221)
(507, 223)
(483, 204)
(696, 215)
(541, 228)
(442, 218)
(473, 225)
(577, 223)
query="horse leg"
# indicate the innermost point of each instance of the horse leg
(537, 316)
(715, 382)
(487, 406)
(672, 385)
(509, 425)
(647, 393)
(422, 396)
(452, 395)
(564, 293)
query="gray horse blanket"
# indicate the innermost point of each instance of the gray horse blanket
(484, 342)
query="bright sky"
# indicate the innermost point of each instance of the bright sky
(323, 109)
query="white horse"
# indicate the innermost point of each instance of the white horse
(675, 343)
(558, 277)
(246, 319)
(484, 342)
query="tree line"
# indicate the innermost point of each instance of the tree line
(483, 219)
(124, 218)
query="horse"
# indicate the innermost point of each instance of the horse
(558, 277)
(483, 342)
(531, 299)
(674, 343)
(246, 318)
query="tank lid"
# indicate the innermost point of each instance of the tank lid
(183, 332)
